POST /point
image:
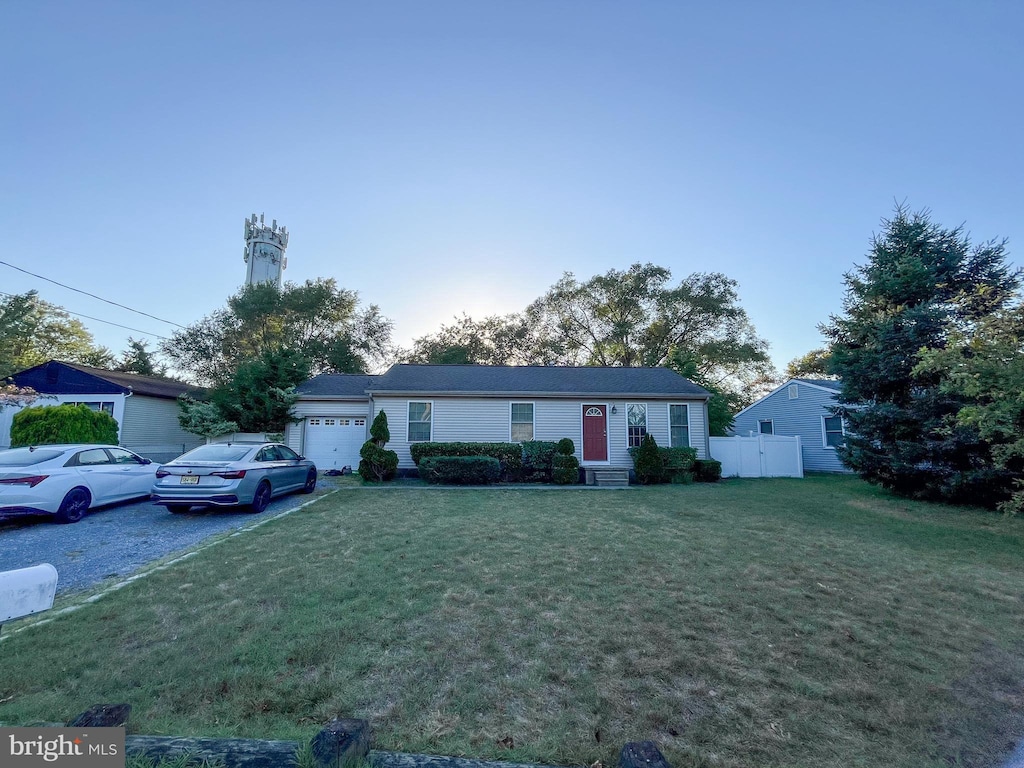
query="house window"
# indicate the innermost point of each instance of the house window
(679, 426)
(636, 423)
(94, 406)
(420, 421)
(832, 428)
(794, 391)
(522, 422)
(766, 427)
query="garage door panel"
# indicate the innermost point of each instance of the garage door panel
(333, 442)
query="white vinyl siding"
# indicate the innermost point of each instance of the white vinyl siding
(521, 422)
(484, 419)
(151, 429)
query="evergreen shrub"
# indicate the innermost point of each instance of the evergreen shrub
(460, 470)
(55, 424)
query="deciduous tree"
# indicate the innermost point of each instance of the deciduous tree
(317, 319)
(33, 331)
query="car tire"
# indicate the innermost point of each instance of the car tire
(178, 509)
(260, 499)
(310, 485)
(74, 506)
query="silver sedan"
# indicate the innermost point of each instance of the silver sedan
(232, 474)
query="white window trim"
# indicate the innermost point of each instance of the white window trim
(765, 421)
(607, 434)
(689, 423)
(824, 434)
(647, 421)
(408, 439)
(533, 406)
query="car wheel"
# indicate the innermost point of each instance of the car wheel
(310, 485)
(178, 509)
(74, 506)
(261, 498)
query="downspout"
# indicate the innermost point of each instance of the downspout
(127, 394)
(707, 431)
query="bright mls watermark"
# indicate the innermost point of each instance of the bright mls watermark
(78, 747)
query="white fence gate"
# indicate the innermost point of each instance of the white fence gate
(761, 456)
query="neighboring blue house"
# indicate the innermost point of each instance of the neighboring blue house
(800, 407)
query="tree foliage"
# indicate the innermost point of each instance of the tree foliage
(201, 417)
(813, 365)
(921, 286)
(33, 331)
(984, 366)
(139, 358)
(495, 340)
(635, 317)
(56, 424)
(317, 320)
(260, 395)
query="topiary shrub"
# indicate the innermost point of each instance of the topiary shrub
(647, 462)
(566, 447)
(379, 431)
(377, 464)
(460, 470)
(565, 469)
(536, 461)
(509, 455)
(707, 470)
(54, 424)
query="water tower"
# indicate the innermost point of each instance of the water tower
(264, 252)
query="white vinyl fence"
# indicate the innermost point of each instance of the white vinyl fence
(761, 456)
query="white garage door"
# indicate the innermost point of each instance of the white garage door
(333, 442)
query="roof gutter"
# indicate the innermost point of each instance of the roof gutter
(576, 395)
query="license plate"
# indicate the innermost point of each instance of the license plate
(190, 479)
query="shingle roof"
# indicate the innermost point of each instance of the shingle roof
(336, 385)
(832, 384)
(56, 377)
(536, 380)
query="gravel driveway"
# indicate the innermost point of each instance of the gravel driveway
(117, 541)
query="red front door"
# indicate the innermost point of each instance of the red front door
(595, 433)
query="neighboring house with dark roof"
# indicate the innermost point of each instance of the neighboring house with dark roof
(145, 407)
(800, 407)
(603, 410)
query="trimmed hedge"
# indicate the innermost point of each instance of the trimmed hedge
(509, 455)
(565, 469)
(677, 465)
(536, 461)
(460, 470)
(707, 470)
(56, 424)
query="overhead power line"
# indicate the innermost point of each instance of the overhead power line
(98, 320)
(93, 295)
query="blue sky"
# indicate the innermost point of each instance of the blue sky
(448, 157)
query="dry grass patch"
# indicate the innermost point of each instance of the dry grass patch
(768, 623)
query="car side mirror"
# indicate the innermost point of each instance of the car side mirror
(302, 458)
(146, 461)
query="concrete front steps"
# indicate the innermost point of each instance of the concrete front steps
(607, 477)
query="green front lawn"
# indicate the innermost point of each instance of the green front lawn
(812, 622)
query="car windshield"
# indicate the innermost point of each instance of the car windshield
(26, 457)
(215, 453)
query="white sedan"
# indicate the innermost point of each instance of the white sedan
(69, 480)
